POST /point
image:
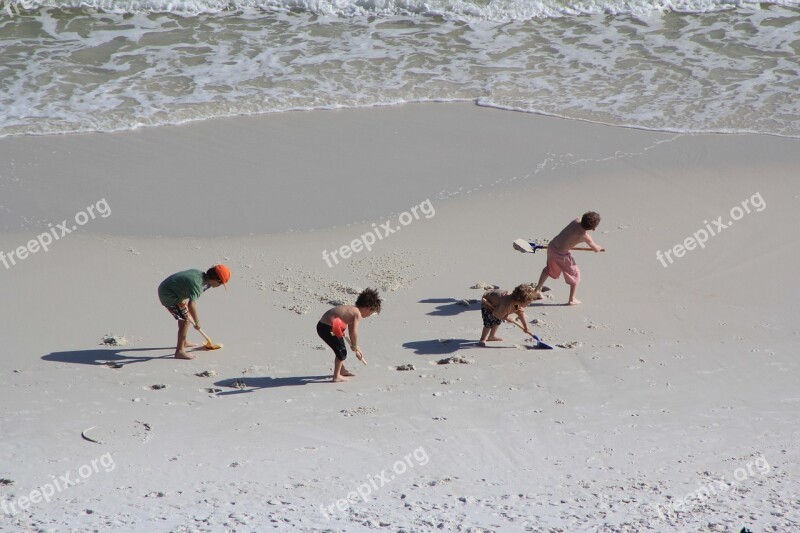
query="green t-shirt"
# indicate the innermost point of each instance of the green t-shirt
(186, 285)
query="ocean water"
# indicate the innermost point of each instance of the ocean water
(689, 66)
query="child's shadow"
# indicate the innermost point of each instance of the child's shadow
(439, 347)
(254, 384)
(447, 307)
(113, 357)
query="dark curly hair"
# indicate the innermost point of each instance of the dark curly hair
(590, 220)
(369, 299)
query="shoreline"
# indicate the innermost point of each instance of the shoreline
(474, 102)
(152, 166)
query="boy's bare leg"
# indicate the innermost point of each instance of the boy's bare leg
(572, 290)
(537, 291)
(338, 364)
(492, 334)
(484, 334)
(180, 349)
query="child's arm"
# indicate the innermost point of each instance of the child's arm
(353, 332)
(521, 315)
(353, 329)
(193, 313)
(593, 245)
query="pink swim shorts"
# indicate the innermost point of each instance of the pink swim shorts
(558, 262)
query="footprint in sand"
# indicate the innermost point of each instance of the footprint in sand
(113, 340)
(359, 411)
(570, 345)
(118, 433)
(455, 359)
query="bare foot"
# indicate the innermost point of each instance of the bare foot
(347, 373)
(494, 339)
(183, 355)
(339, 379)
(537, 295)
(482, 343)
(188, 344)
(574, 301)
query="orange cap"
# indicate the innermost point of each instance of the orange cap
(223, 273)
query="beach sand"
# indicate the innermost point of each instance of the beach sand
(671, 407)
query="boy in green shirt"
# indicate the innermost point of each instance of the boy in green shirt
(179, 294)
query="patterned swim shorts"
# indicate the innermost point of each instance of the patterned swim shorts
(489, 320)
(179, 311)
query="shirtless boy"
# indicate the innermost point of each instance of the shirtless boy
(559, 257)
(497, 305)
(367, 303)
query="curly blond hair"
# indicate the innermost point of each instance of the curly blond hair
(523, 293)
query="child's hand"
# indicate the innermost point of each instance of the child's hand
(360, 356)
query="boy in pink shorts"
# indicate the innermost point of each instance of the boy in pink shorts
(559, 257)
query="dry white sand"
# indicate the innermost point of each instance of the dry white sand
(675, 409)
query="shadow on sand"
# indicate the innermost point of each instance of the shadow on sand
(104, 356)
(449, 306)
(440, 347)
(254, 384)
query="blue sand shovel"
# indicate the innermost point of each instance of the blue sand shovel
(541, 345)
